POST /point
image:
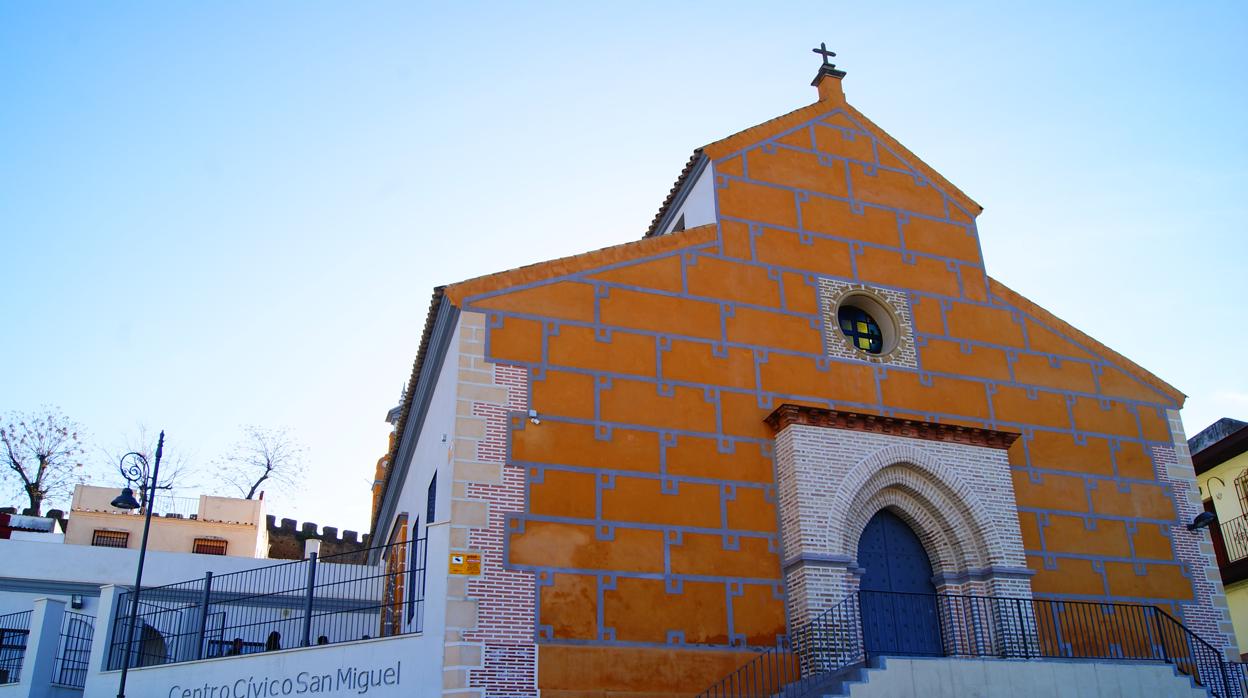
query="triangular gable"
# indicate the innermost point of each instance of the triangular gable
(534, 274)
(837, 114)
(1080, 342)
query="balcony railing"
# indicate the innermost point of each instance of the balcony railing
(317, 601)
(844, 637)
(14, 630)
(1235, 538)
(164, 504)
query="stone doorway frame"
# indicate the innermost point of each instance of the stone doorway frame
(950, 484)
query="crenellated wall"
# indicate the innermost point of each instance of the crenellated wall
(287, 540)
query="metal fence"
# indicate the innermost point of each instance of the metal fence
(844, 637)
(316, 601)
(74, 650)
(14, 629)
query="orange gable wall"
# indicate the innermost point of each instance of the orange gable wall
(651, 518)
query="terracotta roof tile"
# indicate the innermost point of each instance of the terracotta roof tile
(671, 195)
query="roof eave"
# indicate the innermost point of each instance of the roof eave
(434, 343)
(679, 193)
(1218, 453)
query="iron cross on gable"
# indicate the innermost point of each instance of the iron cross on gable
(823, 51)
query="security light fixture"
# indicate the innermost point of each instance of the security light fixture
(1202, 520)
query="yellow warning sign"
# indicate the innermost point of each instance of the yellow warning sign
(465, 563)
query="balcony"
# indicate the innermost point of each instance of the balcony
(1230, 544)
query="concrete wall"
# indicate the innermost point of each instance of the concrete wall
(46, 567)
(240, 522)
(33, 570)
(404, 666)
(988, 678)
(434, 449)
(1237, 600)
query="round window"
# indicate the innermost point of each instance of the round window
(861, 329)
(867, 324)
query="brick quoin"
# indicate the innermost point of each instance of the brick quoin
(1202, 616)
(505, 607)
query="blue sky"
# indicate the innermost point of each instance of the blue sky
(219, 214)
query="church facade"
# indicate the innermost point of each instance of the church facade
(648, 462)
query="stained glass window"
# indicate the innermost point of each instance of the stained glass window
(861, 329)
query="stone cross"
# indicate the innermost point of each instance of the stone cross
(823, 51)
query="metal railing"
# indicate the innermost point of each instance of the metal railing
(164, 504)
(1235, 538)
(74, 651)
(14, 630)
(867, 624)
(830, 642)
(316, 601)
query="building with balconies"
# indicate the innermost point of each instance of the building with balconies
(1220, 458)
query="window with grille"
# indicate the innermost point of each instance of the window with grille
(431, 501)
(861, 329)
(110, 539)
(209, 546)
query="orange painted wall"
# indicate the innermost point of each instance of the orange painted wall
(707, 330)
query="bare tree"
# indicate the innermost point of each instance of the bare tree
(42, 452)
(264, 455)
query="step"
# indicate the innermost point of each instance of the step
(940, 677)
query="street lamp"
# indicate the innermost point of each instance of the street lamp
(137, 473)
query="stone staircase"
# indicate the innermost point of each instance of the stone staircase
(940, 677)
(990, 646)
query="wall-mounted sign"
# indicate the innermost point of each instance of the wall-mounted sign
(465, 563)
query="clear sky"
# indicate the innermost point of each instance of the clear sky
(214, 214)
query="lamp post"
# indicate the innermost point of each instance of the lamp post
(137, 473)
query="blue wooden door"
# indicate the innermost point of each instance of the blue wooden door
(897, 597)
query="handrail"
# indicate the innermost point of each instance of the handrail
(976, 626)
(831, 641)
(1203, 662)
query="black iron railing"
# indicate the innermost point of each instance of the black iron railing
(14, 629)
(74, 651)
(827, 644)
(1235, 538)
(317, 601)
(867, 624)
